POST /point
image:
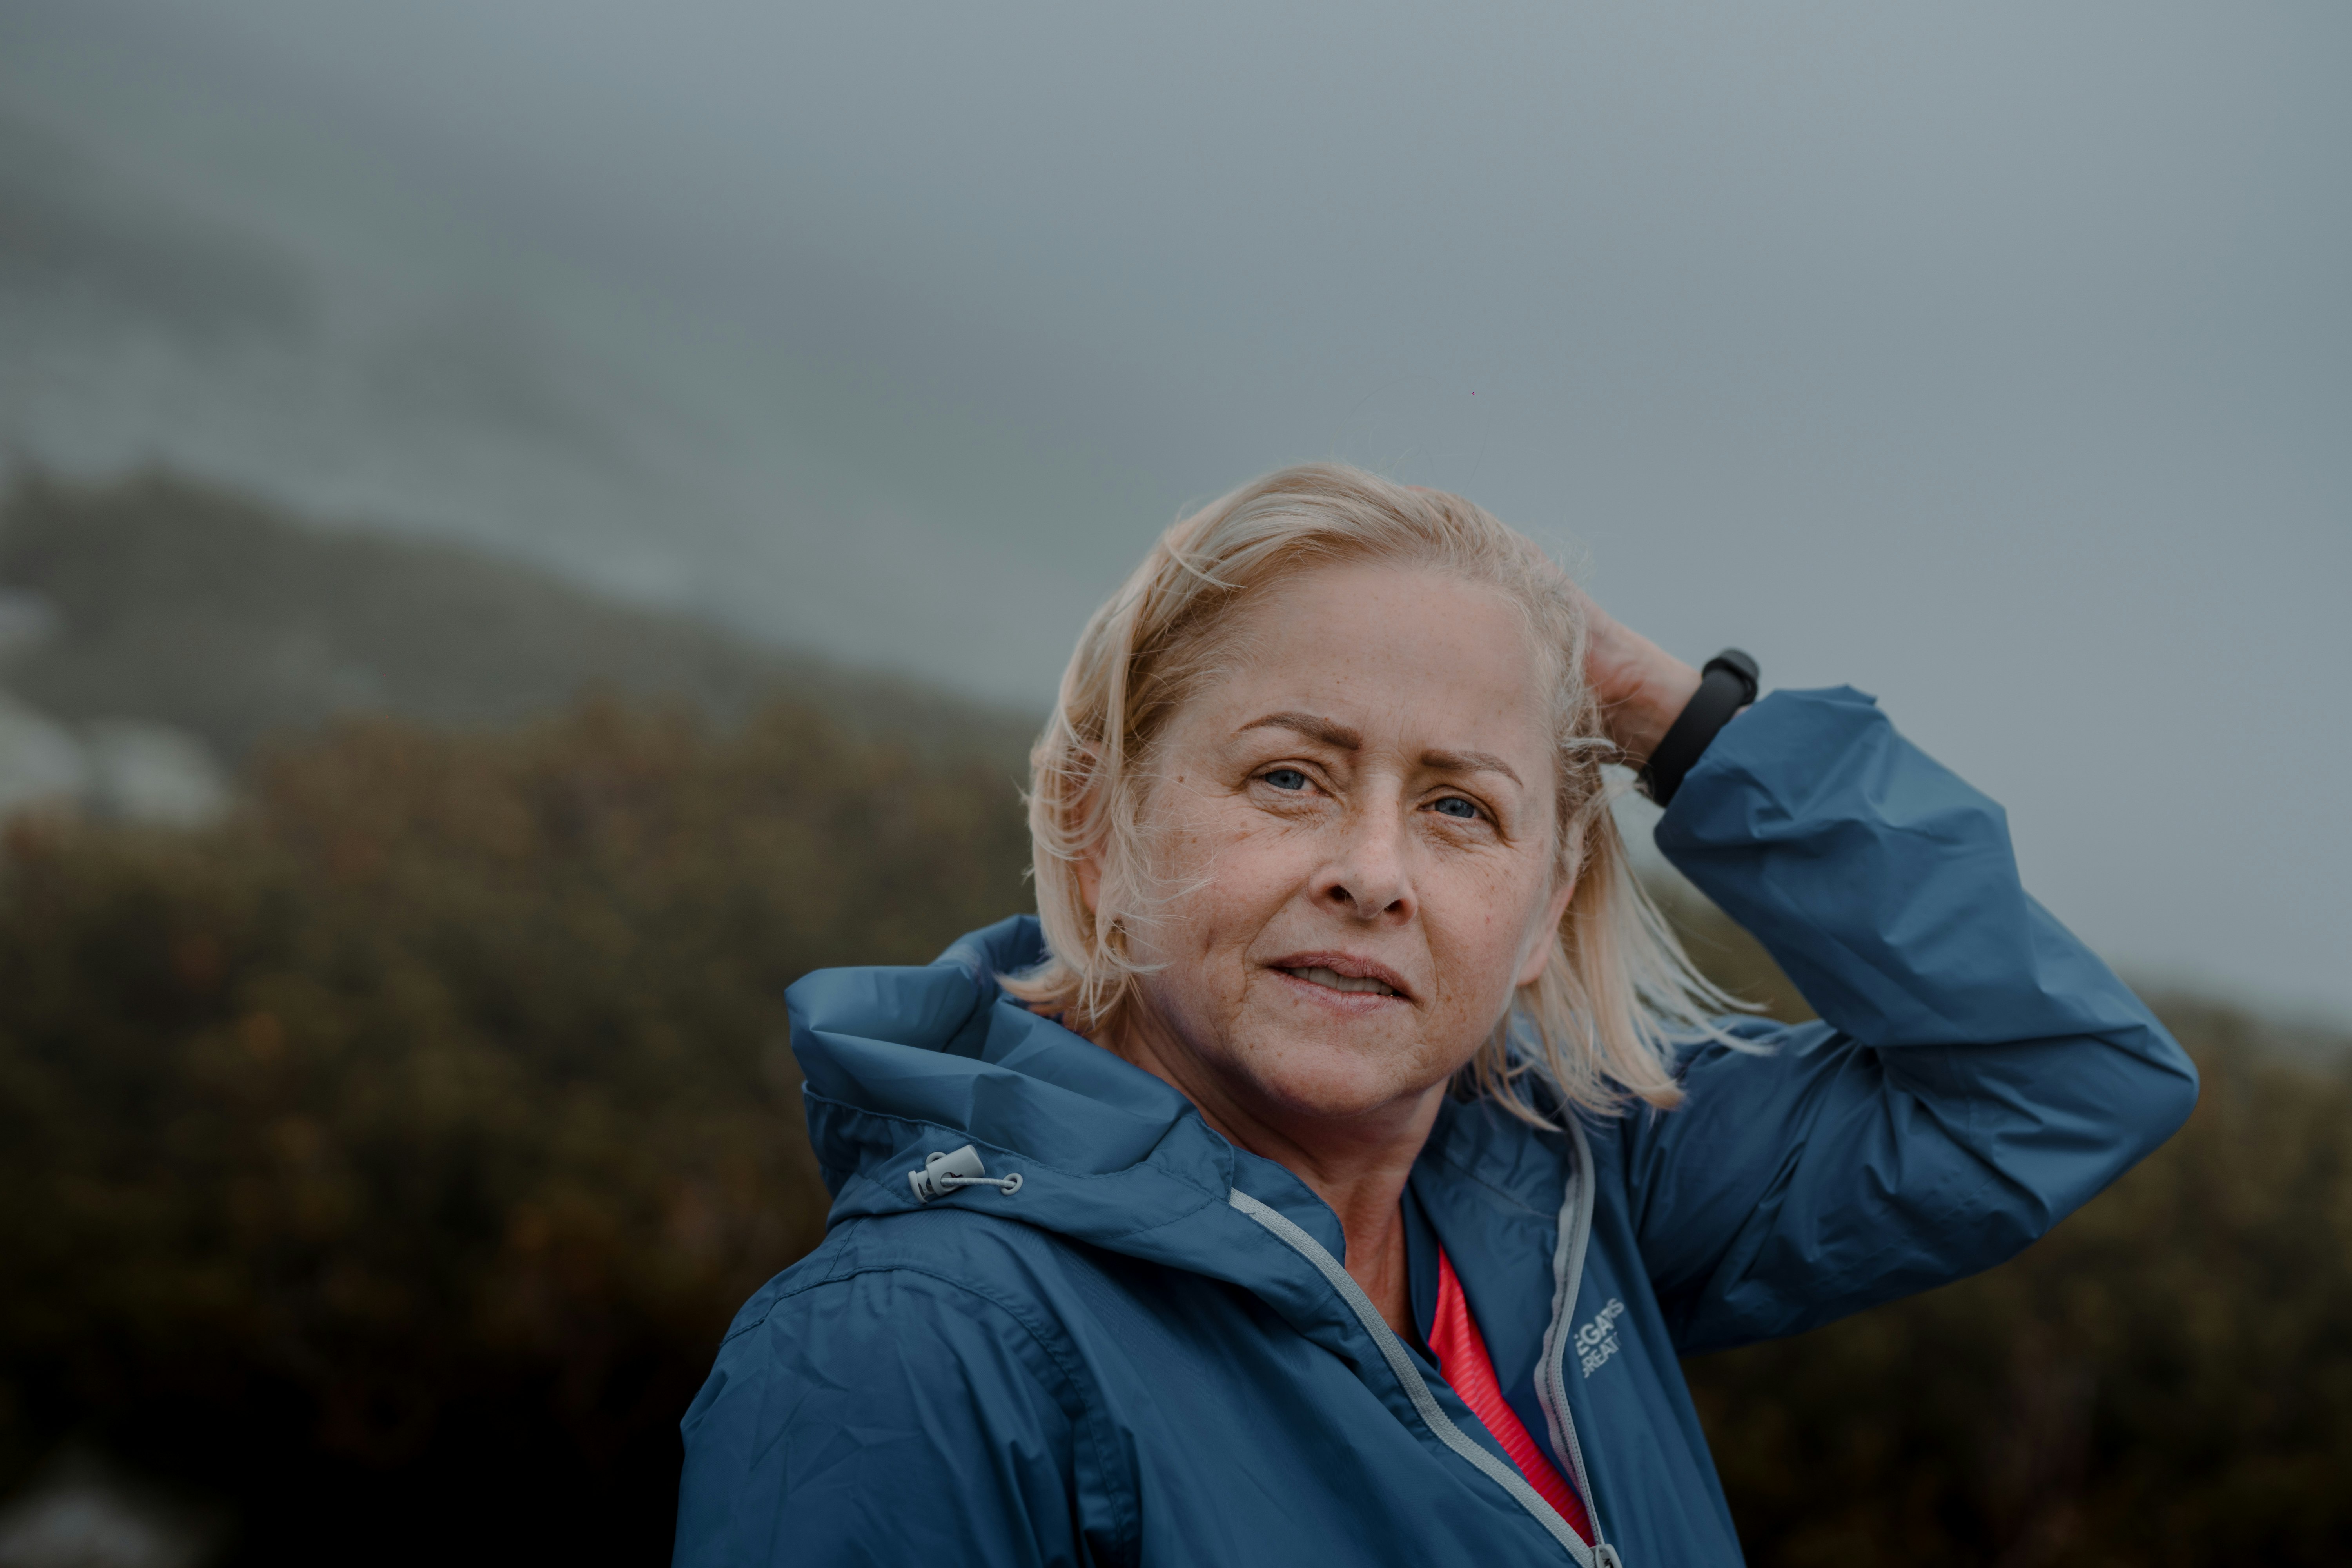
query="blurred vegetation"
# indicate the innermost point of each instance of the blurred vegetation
(385, 1165)
(388, 1162)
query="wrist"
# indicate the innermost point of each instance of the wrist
(1639, 721)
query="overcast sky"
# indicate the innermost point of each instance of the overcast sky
(1996, 359)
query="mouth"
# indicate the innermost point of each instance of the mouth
(1343, 974)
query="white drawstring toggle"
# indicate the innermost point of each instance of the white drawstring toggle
(943, 1173)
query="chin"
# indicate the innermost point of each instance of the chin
(1335, 1083)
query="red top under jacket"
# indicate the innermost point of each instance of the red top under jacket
(1461, 1356)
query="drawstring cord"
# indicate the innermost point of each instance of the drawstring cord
(945, 1174)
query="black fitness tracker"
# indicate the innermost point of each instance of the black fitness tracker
(1726, 683)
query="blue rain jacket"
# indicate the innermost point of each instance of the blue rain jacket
(1148, 1352)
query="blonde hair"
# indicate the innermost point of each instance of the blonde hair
(1602, 1020)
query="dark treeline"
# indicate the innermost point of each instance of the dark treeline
(383, 1167)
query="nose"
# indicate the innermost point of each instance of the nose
(1369, 877)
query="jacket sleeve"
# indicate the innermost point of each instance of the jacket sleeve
(1977, 1074)
(888, 1420)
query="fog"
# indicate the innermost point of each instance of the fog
(1995, 360)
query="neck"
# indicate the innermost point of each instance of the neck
(1357, 1164)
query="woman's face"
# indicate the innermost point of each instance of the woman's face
(1353, 827)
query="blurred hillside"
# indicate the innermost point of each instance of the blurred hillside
(171, 601)
(149, 317)
(380, 1168)
(181, 287)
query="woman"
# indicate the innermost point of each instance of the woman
(1337, 1168)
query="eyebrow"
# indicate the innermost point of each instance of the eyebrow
(1339, 738)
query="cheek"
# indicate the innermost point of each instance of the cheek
(1219, 870)
(1481, 929)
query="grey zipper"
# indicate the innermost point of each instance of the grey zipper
(1416, 1388)
(1551, 1384)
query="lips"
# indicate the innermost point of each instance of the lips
(1318, 975)
(1344, 974)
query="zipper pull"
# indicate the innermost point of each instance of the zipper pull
(1605, 1556)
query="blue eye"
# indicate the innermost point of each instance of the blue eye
(1454, 806)
(1286, 778)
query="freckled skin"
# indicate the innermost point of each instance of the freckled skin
(1371, 777)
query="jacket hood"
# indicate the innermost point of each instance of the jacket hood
(904, 1062)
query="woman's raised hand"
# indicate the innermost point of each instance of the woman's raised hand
(1641, 687)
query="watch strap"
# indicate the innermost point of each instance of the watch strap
(1727, 682)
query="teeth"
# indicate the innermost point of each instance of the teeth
(1339, 982)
